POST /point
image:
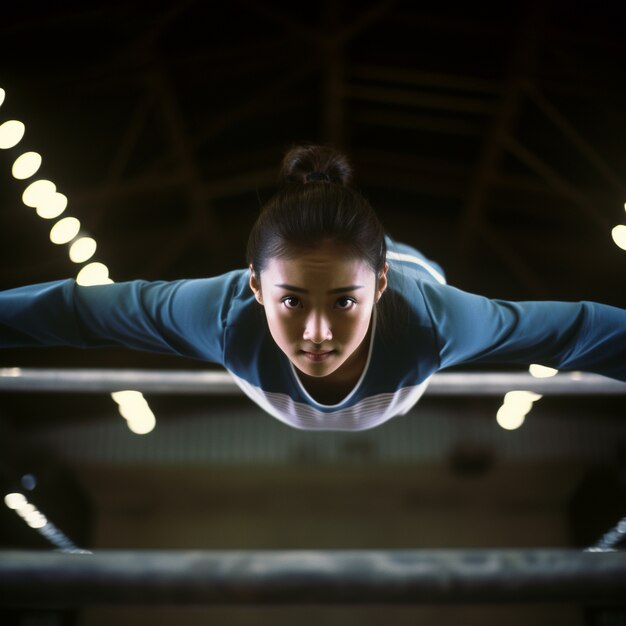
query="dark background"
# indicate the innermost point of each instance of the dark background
(489, 136)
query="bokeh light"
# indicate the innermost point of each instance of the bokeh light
(11, 133)
(142, 423)
(64, 230)
(37, 192)
(26, 165)
(15, 500)
(82, 249)
(93, 274)
(52, 206)
(134, 408)
(619, 236)
(541, 371)
(517, 404)
(510, 417)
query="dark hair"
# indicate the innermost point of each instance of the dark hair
(316, 204)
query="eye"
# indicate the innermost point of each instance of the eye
(345, 303)
(291, 302)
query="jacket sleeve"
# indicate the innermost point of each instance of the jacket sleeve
(185, 317)
(565, 335)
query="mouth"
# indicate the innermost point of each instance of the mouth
(317, 356)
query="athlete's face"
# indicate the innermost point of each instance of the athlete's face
(319, 306)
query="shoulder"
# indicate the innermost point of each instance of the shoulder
(406, 260)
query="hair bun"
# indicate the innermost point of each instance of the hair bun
(308, 164)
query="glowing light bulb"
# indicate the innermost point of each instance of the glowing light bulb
(619, 236)
(26, 165)
(2, 94)
(37, 192)
(52, 206)
(129, 412)
(11, 133)
(517, 404)
(82, 249)
(15, 500)
(127, 396)
(25, 510)
(32, 515)
(64, 230)
(520, 401)
(93, 274)
(510, 417)
(14, 372)
(521, 397)
(142, 424)
(541, 371)
(134, 410)
(37, 521)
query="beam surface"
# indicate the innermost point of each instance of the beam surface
(194, 382)
(51, 580)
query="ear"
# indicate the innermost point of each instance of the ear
(382, 282)
(255, 285)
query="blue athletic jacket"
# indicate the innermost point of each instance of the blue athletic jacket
(422, 325)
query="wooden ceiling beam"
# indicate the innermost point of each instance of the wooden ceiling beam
(333, 79)
(417, 99)
(375, 167)
(424, 79)
(575, 138)
(557, 182)
(522, 64)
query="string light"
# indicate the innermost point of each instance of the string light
(619, 236)
(15, 500)
(26, 165)
(541, 371)
(134, 408)
(64, 230)
(517, 404)
(11, 133)
(37, 520)
(52, 205)
(94, 274)
(48, 203)
(37, 192)
(82, 249)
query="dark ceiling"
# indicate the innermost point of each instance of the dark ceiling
(491, 137)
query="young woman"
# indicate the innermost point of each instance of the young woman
(333, 326)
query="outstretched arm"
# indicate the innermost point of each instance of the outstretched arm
(565, 335)
(183, 317)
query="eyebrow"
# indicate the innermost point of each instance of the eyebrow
(336, 290)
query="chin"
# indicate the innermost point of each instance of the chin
(318, 374)
(315, 372)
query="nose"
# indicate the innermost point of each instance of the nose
(317, 329)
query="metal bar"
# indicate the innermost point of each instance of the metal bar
(44, 579)
(220, 383)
